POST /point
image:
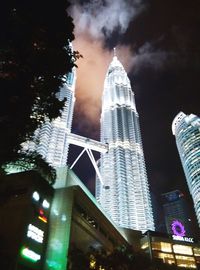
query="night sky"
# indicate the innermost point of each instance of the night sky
(158, 42)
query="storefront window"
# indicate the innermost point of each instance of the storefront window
(196, 251)
(185, 261)
(166, 257)
(181, 249)
(165, 247)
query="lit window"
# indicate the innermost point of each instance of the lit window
(166, 257)
(196, 251)
(185, 261)
(166, 247)
(181, 249)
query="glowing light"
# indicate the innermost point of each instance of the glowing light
(35, 233)
(44, 219)
(178, 228)
(63, 218)
(45, 204)
(56, 212)
(181, 238)
(92, 264)
(30, 254)
(36, 196)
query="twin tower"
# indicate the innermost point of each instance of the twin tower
(123, 191)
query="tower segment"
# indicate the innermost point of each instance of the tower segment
(50, 140)
(125, 192)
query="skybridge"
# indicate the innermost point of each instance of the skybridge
(88, 146)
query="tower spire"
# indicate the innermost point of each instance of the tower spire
(114, 52)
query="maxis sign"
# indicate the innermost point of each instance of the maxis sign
(183, 238)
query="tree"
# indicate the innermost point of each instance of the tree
(121, 258)
(35, 56)
(125, 258)
(77, 259)
(30, 161)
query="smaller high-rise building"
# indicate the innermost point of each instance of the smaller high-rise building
(176, 210)
(186, 129)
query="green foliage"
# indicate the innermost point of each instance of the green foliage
(122, 258)
(78, 260)
(35, 56)
(31, 161)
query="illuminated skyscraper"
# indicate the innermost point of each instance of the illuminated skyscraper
(51, 139)
(124, 193)
(186, 129)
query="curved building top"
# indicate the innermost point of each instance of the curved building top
(190, 119)
(177, 120)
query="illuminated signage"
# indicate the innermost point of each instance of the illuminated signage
(179, 232)
(42, 216)
(36, 196)
(45, 204)
(35, 233)
(178, 228)
(30, 254)
(182, 238)
(44, 219)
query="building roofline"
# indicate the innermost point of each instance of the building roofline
(178, 118)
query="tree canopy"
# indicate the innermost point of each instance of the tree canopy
(121, 258)
(35, 56)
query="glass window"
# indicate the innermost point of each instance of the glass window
(181, 249)
(185, 261)
(166, 247)
(144, 245)
(166, 257)
(196, 251)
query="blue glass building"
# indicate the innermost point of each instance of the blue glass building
(186, 129)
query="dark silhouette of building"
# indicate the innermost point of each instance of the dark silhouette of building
(25, 200)
(176, 213)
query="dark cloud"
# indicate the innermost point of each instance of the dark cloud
(103, 17)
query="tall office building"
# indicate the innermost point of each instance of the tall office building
(186, 129)
(124, 193)
(51, 139)
(176, 211)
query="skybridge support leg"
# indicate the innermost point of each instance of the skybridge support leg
(90, 154)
